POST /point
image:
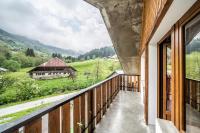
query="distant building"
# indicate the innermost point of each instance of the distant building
(54, 68)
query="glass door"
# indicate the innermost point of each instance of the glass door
(192, 75)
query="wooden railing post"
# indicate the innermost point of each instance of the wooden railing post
(54, 121)
(66, 118)
(34, 127)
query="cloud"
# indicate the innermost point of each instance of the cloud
(68, 24)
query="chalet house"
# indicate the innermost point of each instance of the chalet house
(54, 68)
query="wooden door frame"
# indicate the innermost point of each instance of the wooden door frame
(159, 51)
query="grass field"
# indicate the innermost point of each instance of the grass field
(63, 85)
(11, 117)
(193, 66)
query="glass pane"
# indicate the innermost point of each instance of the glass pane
(192, 62)
(168, 91)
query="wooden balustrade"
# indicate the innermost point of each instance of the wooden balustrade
(130, 83)
(78, 113)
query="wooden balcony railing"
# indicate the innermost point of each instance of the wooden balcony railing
(78, 113)
(193, 93)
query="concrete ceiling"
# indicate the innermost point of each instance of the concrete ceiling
(123, 20)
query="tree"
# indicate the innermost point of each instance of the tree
(11, 65)
(2, 59)
(5, 81)
(24, 60)
(30, 52)
(56, 55)
(87, 74)
(72, 74)
(98, 69)
(8, 55)
(27, 89)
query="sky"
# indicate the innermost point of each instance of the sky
(67, 24)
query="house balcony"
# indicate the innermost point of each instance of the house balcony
(113, 105)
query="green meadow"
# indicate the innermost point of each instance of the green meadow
(23, 88)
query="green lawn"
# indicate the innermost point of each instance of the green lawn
(193, 66)
(61, 85)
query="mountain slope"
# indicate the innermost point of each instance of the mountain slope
(102, 52)
(21, 42)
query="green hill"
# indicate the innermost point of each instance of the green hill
(98, 53)
(17, 42)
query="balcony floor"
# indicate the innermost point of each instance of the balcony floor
(126, 114)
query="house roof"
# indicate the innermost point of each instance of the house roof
(54, 62)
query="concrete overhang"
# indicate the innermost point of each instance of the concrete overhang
(123, 21)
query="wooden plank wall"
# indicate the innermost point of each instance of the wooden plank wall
(153, 12)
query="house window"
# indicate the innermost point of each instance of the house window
(165, 91)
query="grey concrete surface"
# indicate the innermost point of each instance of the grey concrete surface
(126, 115)
(123, 19)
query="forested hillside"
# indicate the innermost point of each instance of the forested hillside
(95, 53)
(17, 42)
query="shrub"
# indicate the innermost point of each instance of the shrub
(2, 59)
(27, 89)
(5, 81)
(11, 65)
(8, 98)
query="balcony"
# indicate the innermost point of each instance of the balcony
(109, 106)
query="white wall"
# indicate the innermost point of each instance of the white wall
(152, 85)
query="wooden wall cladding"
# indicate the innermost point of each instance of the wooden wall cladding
(34, 127)
(54, 121)
(153, 13)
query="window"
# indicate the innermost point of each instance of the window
(192, 75)
(165, 91)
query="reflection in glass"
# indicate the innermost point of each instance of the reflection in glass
(168, 91)
(192, 70)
